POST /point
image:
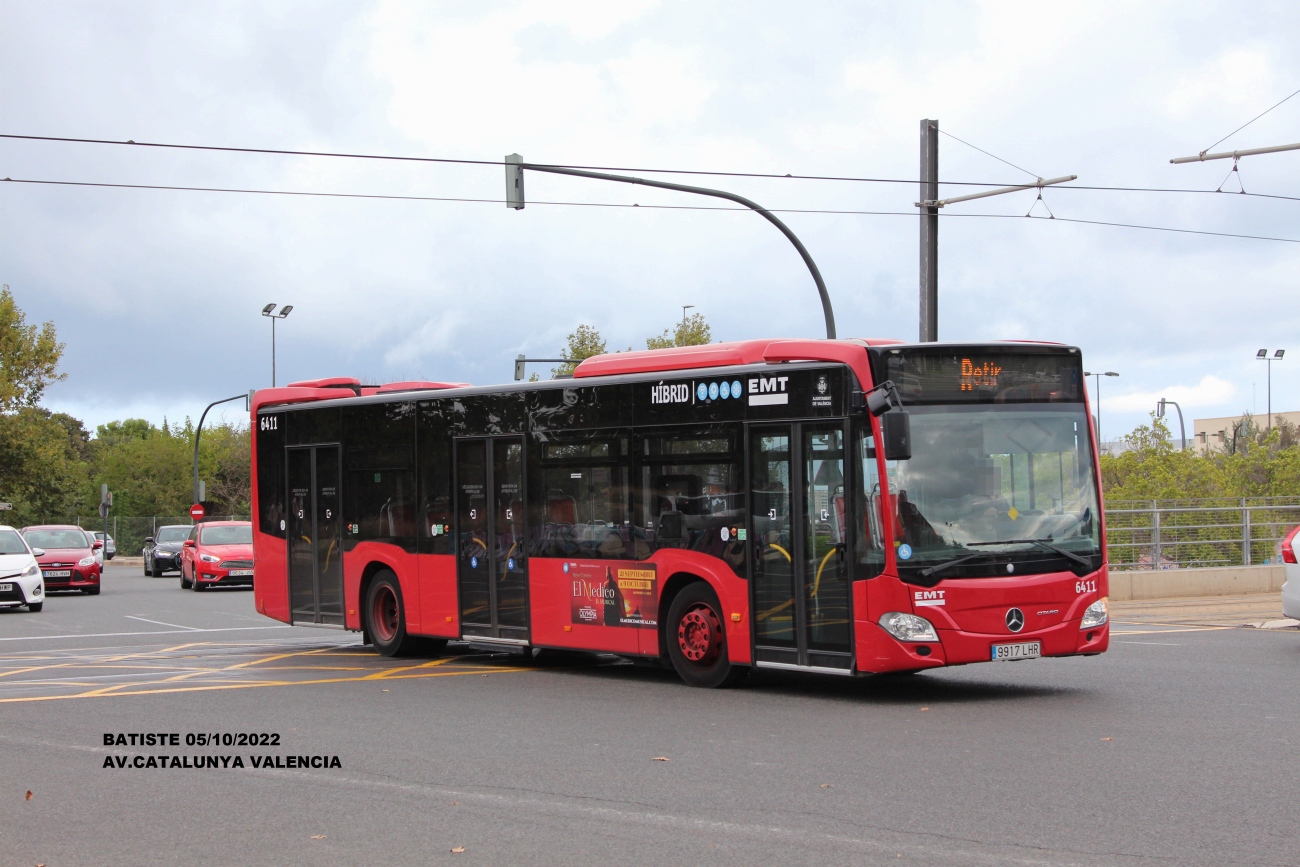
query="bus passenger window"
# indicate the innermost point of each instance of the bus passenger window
(579, 499)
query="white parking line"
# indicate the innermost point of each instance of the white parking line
(160, 623)
(186, 631)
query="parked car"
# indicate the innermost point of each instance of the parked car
(21, 582)
(68, 560)
(162, 553)
(1291, 589)
(110, 547)
(218, 553)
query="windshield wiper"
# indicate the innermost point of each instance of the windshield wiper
(1043, 543)
(926, 573)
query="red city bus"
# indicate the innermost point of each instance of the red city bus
(835, 506)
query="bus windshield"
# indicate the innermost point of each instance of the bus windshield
(1003, 487)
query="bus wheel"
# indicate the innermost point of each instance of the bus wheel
(697, 640)
(386, 617)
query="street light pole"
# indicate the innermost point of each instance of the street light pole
(268, 311)
(1263, 355)
(685, 307)
(1097, 378)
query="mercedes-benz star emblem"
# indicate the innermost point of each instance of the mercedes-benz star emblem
(1015, 620)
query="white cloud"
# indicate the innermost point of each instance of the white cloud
(1211, 391)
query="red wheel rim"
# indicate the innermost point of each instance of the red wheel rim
(383, 614)
(699, 635)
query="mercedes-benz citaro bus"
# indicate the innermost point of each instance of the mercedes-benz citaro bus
(842, 507)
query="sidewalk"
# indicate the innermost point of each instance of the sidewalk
(1260, 610)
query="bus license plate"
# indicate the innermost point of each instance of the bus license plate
(240, 573)
(59, 573)
(1025, 650)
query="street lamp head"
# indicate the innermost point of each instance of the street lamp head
(1263, 353)
(284, 311)
(266, 311)
(1277, 356)
(1110, 373)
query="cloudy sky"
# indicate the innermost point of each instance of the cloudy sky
(158, 293)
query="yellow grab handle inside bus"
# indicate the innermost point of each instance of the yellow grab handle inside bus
(817, 582)
(782, 550)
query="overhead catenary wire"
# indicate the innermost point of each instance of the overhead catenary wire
(578, 204)
(456, 161)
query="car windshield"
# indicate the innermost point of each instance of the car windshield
(11, 543)
(227, 535)
(56, 539)
(173, 534)
(993, 482)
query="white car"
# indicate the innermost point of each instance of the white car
(21, 582)
(1291, 589)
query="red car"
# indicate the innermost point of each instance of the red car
(69, 561)
(218, 553)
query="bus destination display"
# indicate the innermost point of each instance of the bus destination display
(985, 376)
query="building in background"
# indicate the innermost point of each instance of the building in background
(1209, 434)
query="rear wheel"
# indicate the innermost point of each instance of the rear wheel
(697, 640)
(185, 582)
(385, 620)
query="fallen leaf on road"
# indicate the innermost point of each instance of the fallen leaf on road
(827, 786)
(458, 850)
(318, 836)
(482, 675)
(660, 758)
(29, 795)
(924, 709)
(455, 803)
(1108, 739)
(383, 690)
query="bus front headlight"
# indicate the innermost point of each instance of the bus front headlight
(908, 627)
(1096, 615)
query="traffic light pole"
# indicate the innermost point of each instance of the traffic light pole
(515, 199)
(199, 432)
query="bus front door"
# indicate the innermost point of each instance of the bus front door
(491, 555)
(798, 554)
(315, 543)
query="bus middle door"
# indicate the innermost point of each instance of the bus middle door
(491, 554)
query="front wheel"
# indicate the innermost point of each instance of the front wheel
(697, 640)
(92, 591)
(385, 620)
(35, 606)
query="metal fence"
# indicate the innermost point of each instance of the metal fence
(1142, 534)
(1176, 534)
(129, 533)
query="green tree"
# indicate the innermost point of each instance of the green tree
(29, 356)
(41, 462)
(691, 331)
(582, 343)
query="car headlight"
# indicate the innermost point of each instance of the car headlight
(86, 561)
(1096, 615)
(208, 558)
(908, 627)
(32, 571)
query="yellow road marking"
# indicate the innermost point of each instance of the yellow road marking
(103, 693)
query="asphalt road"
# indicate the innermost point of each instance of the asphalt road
(1178, 747)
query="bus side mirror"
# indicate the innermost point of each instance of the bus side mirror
(896, 430)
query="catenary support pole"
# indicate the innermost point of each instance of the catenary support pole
(929, 306)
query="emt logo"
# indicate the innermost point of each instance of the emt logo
(928, 598)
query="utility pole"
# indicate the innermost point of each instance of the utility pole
(929, 231)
